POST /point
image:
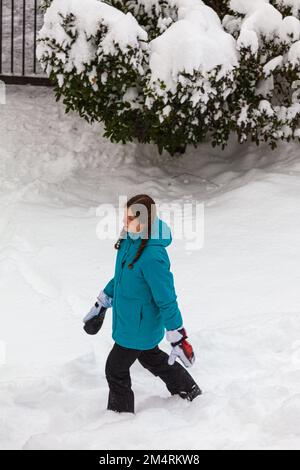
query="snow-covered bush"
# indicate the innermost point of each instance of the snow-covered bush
(95, 56)
(265, 105)
(191, 64)
(165, 81)
(171, 72)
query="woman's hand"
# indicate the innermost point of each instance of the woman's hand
(181, 348)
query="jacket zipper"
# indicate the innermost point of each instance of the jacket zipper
(123, 261)
(141, 316)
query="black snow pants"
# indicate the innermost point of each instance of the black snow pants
(119, 361)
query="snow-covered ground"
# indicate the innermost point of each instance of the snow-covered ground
(239, 294)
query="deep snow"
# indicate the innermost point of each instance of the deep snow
(239, 295)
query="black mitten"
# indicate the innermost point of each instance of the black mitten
(94, 324)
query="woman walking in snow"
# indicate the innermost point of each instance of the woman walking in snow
(143, 300)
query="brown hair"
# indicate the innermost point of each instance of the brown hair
(146, 216)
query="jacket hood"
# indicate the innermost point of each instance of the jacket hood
(160, 233)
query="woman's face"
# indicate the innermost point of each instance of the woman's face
(131, 224)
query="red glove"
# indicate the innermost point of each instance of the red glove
(181, 348)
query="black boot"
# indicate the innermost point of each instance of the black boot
(192, 394)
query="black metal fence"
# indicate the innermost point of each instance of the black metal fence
(20, 21)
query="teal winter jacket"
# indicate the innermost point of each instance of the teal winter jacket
(144, 298)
